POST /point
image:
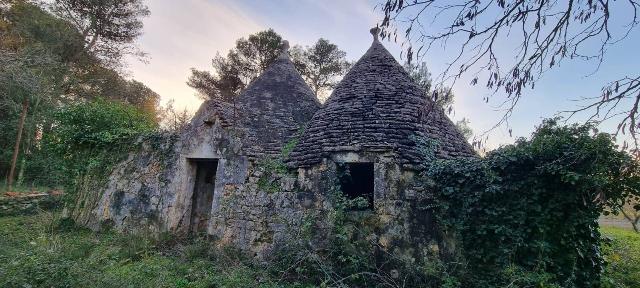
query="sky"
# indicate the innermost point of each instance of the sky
(180, 35)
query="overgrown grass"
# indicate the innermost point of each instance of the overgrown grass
(622, 253)
(42, 251)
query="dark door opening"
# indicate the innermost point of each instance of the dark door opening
(356, 180)
(202, 193)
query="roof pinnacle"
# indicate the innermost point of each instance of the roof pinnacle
(375, 31)
(284, 49)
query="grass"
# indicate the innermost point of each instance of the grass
(622, 253)
(42, 251)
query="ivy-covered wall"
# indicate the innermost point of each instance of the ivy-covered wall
(151, 189)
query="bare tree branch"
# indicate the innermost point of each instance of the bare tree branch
(549, 32)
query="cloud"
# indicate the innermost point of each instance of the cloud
(180, 35)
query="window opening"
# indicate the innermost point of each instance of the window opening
(357, 180)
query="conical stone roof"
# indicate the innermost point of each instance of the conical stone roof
(276, 106)
(378, 108)
(271, 110)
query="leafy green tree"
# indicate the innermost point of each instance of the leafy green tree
(322, 65)
(443, 96)
(97, 124)
(631, 213)
(100, 82)
(50, 51)
(32, 45)
(109, 28)
(174, 120)
(24, 78)
(463, 127)
(254, 54)
(25, 24)
(420, 74)
(248, 59)
(224, 85)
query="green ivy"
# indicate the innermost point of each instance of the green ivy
(533, 205)
(274, 167)
(86, 141)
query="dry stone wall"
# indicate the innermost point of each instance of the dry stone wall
(398, 225)
(258, 205)
(139, 190)
(375, 115)
(258, 213)
(28, 204)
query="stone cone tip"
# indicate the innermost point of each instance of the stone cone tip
(285, 49)
(375, 31)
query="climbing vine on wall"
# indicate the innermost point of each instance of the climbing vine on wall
(534, 206)
(273, 168)
(338, 246)
(86, 141)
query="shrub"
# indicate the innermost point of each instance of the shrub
(534, 205)
(98, 125)
(46, 251)
(86, 140)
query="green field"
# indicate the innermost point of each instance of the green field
(42, 251)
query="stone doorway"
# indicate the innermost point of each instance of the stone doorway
(203, 188)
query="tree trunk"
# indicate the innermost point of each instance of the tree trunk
(16, 149)
(633, 220)
(634, 224)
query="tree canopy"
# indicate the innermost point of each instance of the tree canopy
(442, 96)
(250, 57)
(321, 65)
(108, 27)
(46, 63)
